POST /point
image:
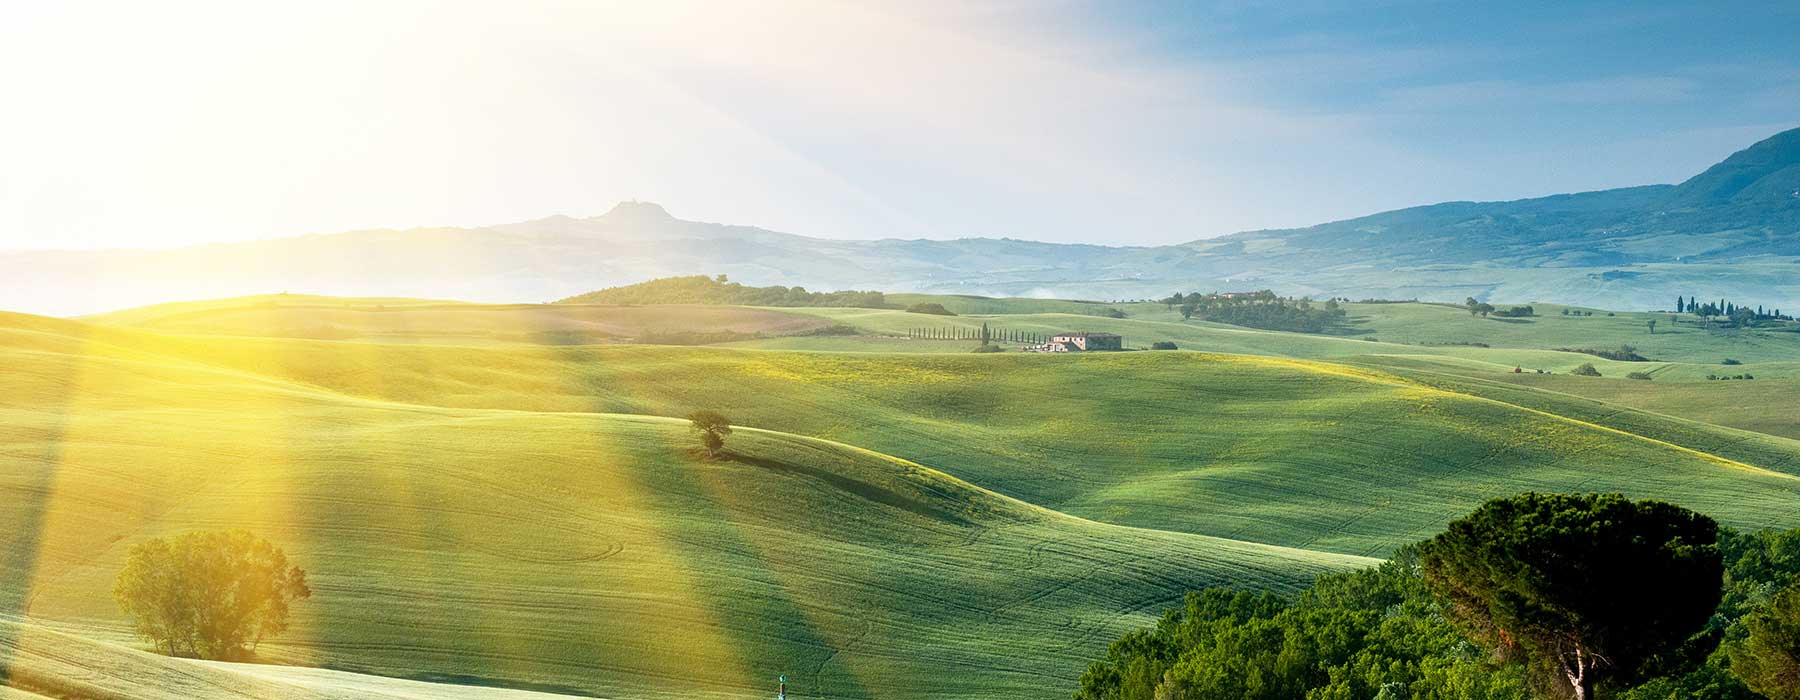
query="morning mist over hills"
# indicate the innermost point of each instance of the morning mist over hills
(1730, 231)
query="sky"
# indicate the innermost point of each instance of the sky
(129, 124)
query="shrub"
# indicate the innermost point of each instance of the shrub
(1586, 370)
(930, 307)
(1113, 313)
(1729, 361)
(1162, 345)
(986, 348)
(1638, 375)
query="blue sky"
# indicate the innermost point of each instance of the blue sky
(1118, 123)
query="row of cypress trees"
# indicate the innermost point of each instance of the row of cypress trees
(985, 334)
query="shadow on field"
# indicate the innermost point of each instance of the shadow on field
(485, 682)
(25, 517)
(865, 491)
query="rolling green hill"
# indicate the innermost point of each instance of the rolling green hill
(475, 505)
(1400, 337)
(554, 550)
(1241, 447)
(60, 664)
(421, 321)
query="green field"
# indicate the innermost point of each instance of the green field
(575, 551)
(420, 321)
(479, 502)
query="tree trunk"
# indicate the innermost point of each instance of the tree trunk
(1581, 682)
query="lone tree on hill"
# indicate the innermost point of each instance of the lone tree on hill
(1581, 589)
(208, 594)
(1652, 324)
(713, 427)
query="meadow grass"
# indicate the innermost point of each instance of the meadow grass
(58, 663)
(511, 512)
(557, 550)
(1281, 451)
(425, 321)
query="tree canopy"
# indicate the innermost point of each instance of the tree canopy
(1580, 589)
(212, 595)
(1262, 309)
(713, 427)
(1364, 635)
(1768, 658)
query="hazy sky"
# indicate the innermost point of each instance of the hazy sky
(168, 123)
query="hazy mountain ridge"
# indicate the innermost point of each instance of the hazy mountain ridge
(1733, 230)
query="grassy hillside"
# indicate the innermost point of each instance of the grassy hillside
(416, 321)
(1271, 450)
(1393, 328)
(1394, 336)
(58, 664)
(970, 304)
(566, 551)
(514, 512)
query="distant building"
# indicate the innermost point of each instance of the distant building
(1081, 342)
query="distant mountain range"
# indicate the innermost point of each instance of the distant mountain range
(1732, 231)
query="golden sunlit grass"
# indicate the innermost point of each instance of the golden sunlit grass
(563, 551)
(523, 514)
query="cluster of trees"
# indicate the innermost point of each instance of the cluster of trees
(1483, 309)
(1262, 309)
(209, 595)
(1735, 314)
(700, 289)
(929, 307)
(1535, 596)
(1625, 353)
(984, 334)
